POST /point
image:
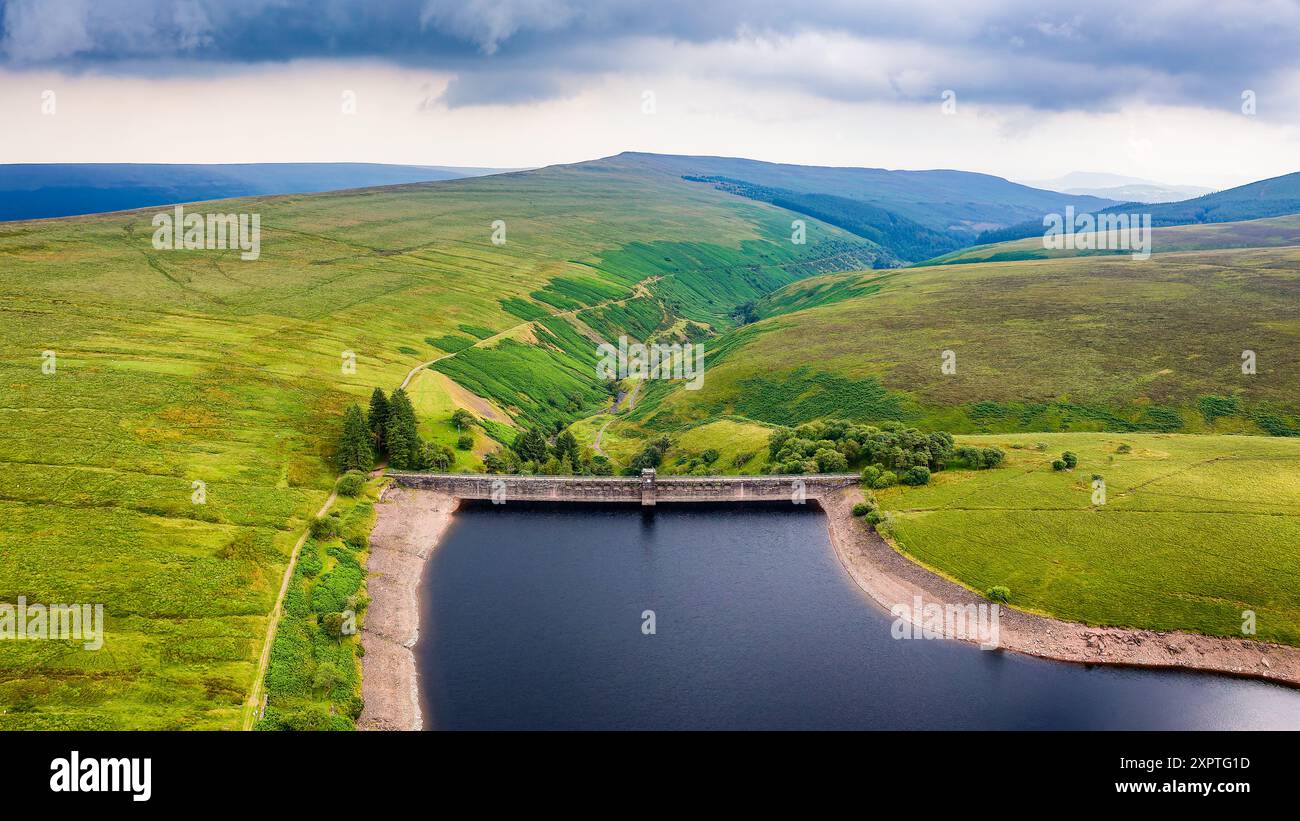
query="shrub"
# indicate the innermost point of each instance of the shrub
(462, 419)
(1057, 464)
(324, 527)
(861, 509)
(999, 593)
(831, 461)
(870, 474)
(465, 441)
(710, 456)
(742, 458)
(916, 476)
(1069, 459)
(886, 479)
(874, 517)
(1124, 449)
(333, 625)
(351, 483)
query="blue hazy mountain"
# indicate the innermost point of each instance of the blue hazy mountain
(37, 191)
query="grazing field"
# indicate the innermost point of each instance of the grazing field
(1194, 530)
(168, 368)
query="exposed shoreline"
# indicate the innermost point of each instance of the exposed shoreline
(408, 527)
(889, 578)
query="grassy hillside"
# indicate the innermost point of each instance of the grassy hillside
(176, 367)
(1194, 529)
(1257, 200)
(913, 215)
(1089, 343)
(1261, 233)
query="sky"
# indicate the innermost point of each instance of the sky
(1190, 92)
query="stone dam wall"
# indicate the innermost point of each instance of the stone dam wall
(647, 489)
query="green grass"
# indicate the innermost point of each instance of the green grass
(183, 366)
(1195, 530)
(1089, 343)
(327, 573)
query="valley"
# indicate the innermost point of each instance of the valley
(171, 368)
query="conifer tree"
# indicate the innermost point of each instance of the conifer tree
(378, 418)
(401, 433)
(531, 445)
(355, 452)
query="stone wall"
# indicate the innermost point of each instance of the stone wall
(645, 490)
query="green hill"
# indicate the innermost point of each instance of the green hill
(176, 367)
(1257, 200)
(1262, 233)
(912, 214)
(1084, 343)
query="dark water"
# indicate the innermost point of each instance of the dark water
(532, 619)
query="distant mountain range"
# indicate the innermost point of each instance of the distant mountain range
(912, 214)
(38, 191)
(1119, 187)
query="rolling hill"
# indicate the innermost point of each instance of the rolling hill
(1262, 233)
(132, 373)
(913, 214)
(1257, 200)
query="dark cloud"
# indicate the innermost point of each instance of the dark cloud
(1089, 56)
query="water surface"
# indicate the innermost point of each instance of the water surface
(532, 619)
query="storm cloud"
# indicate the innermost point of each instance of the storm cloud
(1083, 56)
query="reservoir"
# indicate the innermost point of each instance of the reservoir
(532, 618)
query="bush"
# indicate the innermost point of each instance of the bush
(886, 479)
(324, 527)
(874, 517)
(870, 474)
(1124, 449)
(1069, 459)
(999, 593)
(1057, 464)
(351, 483)
(710, 456)
(916, 476)
(861, 509)
(465, 441)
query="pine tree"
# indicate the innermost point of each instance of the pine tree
(531, 445)
(378, 418)
(566, 447)
(355, 452)
(401, 433)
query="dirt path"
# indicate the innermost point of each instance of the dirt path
(253, 705)
(890, 579)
